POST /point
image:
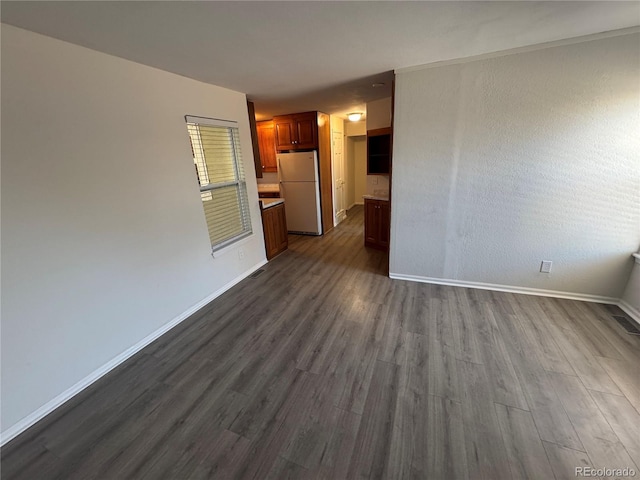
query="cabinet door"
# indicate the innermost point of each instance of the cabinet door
(267, 146)
(378, 151)
(370, 222)
(306, 131)
(385, 218)
(269, 233)
(284, 131)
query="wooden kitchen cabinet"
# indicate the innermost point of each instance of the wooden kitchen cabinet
(310, 131)
(379, 151)
(267, 146)
(298, 131)
(377, 216)
(274, 225)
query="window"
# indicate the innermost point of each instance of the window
(218, 163)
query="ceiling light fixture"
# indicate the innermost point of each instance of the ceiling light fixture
(354, 117)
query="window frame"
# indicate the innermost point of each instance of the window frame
(240, 183)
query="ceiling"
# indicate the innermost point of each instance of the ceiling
(297, 56)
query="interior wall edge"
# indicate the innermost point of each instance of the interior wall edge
(507, 288)
(525, 49)
(26, 422)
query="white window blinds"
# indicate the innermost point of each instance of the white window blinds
(218, 164)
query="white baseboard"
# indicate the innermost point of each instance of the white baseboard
(508, 288)
(51, 405)
(630, 310)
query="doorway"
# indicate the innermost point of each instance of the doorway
(339, 173)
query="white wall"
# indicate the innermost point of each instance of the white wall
(501, 163)
(379, 113)
(356, 151)
(352, 129)
(360, 166)
(104, 239)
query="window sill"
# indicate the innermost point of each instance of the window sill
(231, 246)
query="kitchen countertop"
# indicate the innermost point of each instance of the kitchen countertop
(376, 197)
(270, 202)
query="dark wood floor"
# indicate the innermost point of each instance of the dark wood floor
(322, 367)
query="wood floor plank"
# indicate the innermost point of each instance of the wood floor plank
(506, 388)
(443, 376)
(623, 419)
(335, 459)
(285, 470)
(547, 351)
(323, 367)
(354, 375)
(408, 442)
(446, 450)
(371, 454)
(29, 462)
(525, 451)
(564, 461)
(464, 331)
(585, 365)
(551, 420)
(190, 444)
(597, 343)
(626, 376)
(484, 444)
(602, 444)
(393, 348)
(313, 424)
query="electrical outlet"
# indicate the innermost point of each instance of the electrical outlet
(545, 266)
(240, 254)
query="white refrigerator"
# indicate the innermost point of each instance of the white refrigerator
(299, 186)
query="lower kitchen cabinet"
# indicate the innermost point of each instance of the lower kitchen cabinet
(274, 224)
(376, 223)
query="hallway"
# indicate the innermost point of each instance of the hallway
(323, 367)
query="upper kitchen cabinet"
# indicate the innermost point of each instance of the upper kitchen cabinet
(298, 131)
(267, 146)
(378, 151)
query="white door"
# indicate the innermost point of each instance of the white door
(339, 200)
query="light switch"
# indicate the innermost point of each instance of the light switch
(545, 267)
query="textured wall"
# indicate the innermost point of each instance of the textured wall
(360, 160)
(505, 162)
(104, 239)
